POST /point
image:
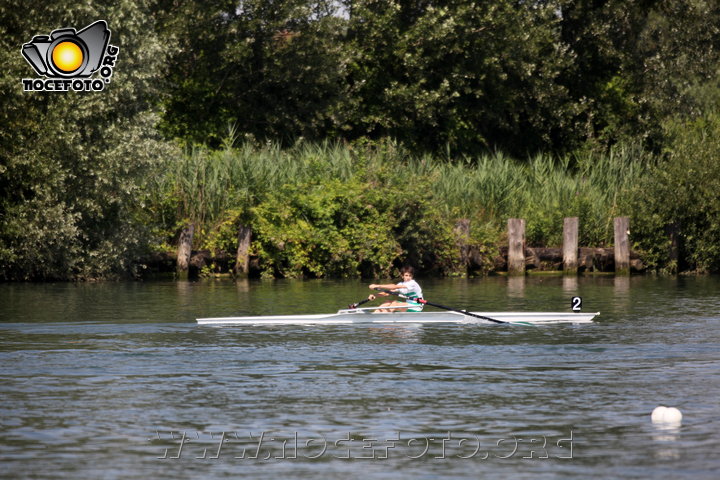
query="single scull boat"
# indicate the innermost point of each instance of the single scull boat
(365, 315)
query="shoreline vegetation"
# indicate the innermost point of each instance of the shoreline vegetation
(296, 139)
(329, 209)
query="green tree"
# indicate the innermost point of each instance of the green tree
(676, 55)
(73, 165)
(271, 69)
(680, 196)
(471, 76)
(635, 63)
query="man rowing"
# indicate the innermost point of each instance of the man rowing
(408, 287)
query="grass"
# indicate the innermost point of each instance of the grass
(543, 190)
(489, 189)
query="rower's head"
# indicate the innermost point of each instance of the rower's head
(407, 273)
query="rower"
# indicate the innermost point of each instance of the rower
(408, 287)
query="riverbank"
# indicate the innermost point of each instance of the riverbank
(362, 210)
(546, 261)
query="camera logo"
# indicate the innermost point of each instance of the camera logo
(68, 58)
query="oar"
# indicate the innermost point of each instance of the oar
(353, 306)
(425, 302)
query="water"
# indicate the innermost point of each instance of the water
(115, 380)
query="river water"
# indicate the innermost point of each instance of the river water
(115, 380)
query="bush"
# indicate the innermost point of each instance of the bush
(329, 227)
(682, 191)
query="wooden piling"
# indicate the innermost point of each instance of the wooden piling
(622, 245)
(462, 240)
(242, 259)
(673, 232)
(516, 246)
(185, 250)
(570, 245)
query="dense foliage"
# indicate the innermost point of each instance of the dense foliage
(330, 209)
(677, 205)
(73, 165)
(361, 131)
(516, 77)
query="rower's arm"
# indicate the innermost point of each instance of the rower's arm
(388, 286)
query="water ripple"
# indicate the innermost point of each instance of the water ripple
(111, 395)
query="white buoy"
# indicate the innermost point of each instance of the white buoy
(666, 416)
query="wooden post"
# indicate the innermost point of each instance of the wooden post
(185, 250)
(242, 260)
(673, 232)
(516, 247)
(570, 245)
(622, 245)
(462, 239)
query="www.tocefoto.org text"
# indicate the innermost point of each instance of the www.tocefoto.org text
(267, 446)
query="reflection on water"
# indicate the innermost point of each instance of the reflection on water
(621, 291)
(516, 286)
(95, 377)
(666, 438)
(570, 284)
(666, 433)
(242, 285)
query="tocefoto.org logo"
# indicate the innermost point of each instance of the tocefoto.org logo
(68, 58)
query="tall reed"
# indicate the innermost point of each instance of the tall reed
(543, 190)
(205, 185)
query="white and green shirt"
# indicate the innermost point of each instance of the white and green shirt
(412, 290)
